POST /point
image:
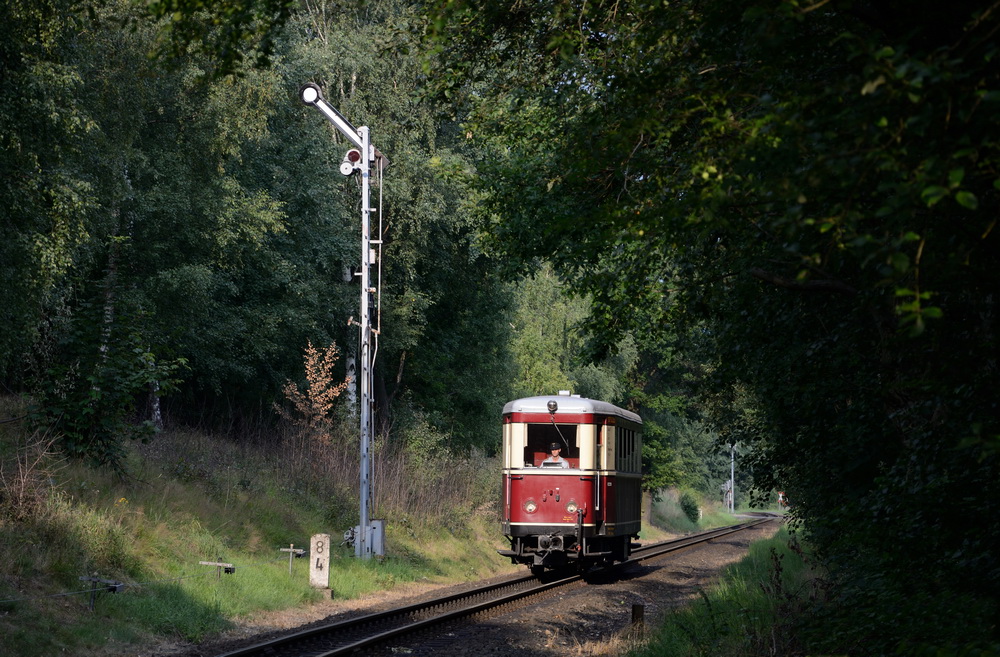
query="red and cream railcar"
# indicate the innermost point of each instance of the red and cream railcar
(585, 513)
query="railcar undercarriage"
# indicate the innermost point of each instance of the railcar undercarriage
(557, 550)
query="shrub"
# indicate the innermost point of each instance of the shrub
(87, 396)
(689, 504)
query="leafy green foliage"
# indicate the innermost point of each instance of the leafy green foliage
(218, 201)
(753, 609)
(689, 504)
(443, 332)
(225, 31)
(550, 348)
(803, 199)
(546, 335)
(102, 367)
(45, 199)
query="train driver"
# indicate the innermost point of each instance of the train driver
(554, 460)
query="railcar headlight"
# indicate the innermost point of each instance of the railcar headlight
(571, 506)
(530, 506)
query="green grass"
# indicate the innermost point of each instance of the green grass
(189, 498)
(746, 613)
(667, 513)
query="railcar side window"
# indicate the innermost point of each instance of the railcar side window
(540, 436)
(628, 458)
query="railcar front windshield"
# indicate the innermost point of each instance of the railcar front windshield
(541, 437)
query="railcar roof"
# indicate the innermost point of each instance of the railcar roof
(568, 404)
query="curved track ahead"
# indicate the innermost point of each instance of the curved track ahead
(365, 632)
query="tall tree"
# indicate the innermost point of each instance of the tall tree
(44, 198)
(443, 345)
(811, 190)
(219, 219)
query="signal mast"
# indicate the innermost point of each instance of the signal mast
(369, 535)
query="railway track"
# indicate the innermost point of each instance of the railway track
(658, 549)
(365, 633)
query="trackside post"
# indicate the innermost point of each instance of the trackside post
(319, 561)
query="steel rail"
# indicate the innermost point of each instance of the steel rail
(408, 610)
(447, 616)
(287, 642)
(666, 547)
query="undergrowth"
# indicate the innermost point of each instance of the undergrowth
(685, 511)
(187, 497)
(751, 611)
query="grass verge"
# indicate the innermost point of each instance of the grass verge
(746, 613)
(191, 498)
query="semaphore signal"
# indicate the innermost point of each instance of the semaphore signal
(369, 535)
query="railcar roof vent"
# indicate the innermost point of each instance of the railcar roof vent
(564, 393)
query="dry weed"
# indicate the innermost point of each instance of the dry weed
(26, 479)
